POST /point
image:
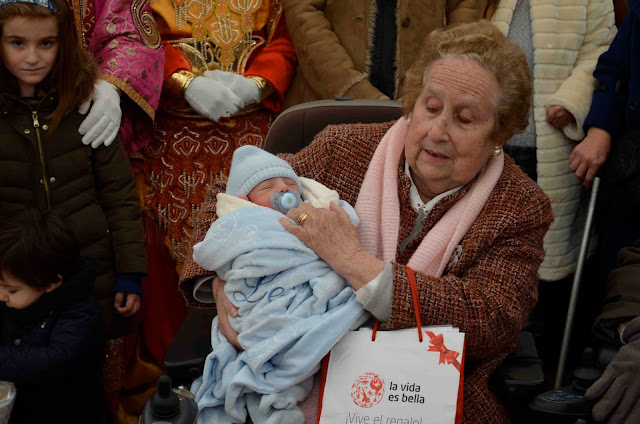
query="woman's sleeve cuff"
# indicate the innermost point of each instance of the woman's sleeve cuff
(377, 295)
(202, 292)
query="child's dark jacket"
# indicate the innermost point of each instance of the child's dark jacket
(52, 350)
(93, 190)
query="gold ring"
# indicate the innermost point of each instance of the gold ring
(302, 217)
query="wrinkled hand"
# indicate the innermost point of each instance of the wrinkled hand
(130, 308)
(559, 117)
(212, 99)
(590, 154)
(103, 122)
(619, 385)
(247, 90)
(328, 232)
(225, 309)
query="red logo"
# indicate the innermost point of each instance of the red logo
(367, 390)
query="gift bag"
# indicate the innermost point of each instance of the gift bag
(7, 399)
(410, 376)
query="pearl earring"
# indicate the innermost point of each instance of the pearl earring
(408, 119)
(496, 152)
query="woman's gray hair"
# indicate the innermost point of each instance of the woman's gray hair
(484, 43)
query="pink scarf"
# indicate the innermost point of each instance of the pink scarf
(378, 207)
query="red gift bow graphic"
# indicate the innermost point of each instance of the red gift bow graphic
(446, 355)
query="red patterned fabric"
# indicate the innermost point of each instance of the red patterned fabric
(186, 157)
(189, 154)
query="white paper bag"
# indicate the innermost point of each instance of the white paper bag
(7, 399)
(395, 379)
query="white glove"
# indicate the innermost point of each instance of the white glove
(102, 124)
(241, 86)
(212, 99)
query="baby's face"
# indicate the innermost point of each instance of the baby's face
(261, 194)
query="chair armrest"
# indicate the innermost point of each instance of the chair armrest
(185, 357)
(519, 378)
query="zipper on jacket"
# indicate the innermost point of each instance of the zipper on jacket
(45, 181)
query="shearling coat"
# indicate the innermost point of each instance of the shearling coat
(568, 38)
(93, 190)
(334, 40)
(488, 288)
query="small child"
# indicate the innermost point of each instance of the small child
(51, 337)
(292, 307)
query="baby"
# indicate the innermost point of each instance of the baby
(292, 307)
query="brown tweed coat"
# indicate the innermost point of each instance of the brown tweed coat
(488, 288)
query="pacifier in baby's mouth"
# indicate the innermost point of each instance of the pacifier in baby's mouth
(282, 202)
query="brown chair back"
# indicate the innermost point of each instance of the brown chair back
(297, 126)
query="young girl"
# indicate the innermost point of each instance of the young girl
(44, 75)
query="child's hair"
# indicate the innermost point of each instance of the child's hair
(35, 247)
(74, 72)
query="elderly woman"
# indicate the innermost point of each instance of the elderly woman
(433, 191)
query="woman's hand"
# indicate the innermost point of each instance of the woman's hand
(330, 233)
(225, 309)
(589, 155)
(559, 117)
(131, 307)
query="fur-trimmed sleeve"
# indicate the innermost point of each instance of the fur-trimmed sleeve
(465, 11)
(575, 93)
(324, 62)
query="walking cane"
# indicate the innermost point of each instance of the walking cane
(584, 247)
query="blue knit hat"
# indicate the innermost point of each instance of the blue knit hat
(45, 3)
(251, 166)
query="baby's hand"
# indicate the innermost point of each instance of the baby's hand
(131, 306)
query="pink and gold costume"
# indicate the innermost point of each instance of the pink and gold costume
(125, 42)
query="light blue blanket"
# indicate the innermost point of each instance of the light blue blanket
(292, 308)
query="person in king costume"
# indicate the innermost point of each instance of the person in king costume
(124, 39)
(228, 65)
(125, 42)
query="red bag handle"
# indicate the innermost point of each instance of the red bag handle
(416, 305)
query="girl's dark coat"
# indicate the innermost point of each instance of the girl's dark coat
(92, 189)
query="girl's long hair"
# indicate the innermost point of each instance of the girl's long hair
(74, 73)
